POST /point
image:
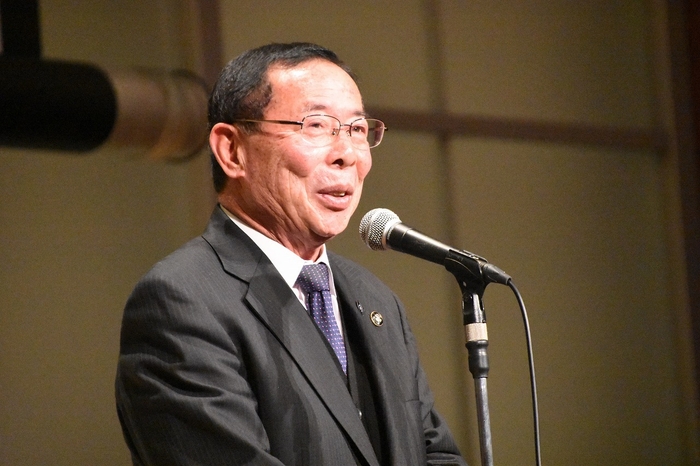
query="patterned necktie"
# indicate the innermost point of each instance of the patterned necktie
(313, 280)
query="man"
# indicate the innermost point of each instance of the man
(221, 363)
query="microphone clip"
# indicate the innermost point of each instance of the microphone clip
(473, 273)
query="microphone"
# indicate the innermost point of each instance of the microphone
(381, 229)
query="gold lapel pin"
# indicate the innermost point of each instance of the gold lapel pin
(376, 319)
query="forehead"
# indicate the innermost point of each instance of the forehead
(313, 85)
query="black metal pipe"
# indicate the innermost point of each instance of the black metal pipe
(77, 107)
(19, 28)
(54, 105)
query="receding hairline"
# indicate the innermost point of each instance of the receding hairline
(311, 105)
(281, 65)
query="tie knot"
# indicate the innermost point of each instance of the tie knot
(314, 277)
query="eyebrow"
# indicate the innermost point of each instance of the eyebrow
(321, 107)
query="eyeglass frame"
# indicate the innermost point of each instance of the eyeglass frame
(301, 125)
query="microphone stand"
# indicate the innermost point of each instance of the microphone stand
(477, 341)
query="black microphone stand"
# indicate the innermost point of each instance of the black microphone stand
(477, 341)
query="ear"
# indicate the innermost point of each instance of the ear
(224, 140)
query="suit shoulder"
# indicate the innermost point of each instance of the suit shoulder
(184, 261)
(349, 265)
(192, 273)
(351, 268)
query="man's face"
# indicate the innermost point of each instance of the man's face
(302, 195)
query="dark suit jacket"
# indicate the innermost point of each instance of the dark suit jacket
(221, 365)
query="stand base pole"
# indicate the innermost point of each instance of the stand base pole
(484, 421)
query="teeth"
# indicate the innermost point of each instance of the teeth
(339, 194)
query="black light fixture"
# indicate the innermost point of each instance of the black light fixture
(78, 107)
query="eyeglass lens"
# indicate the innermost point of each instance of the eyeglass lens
(322, 129)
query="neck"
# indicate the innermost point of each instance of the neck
(307, 250)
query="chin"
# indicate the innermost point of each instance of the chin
(332, 229)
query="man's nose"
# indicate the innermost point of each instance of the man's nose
(344, 149)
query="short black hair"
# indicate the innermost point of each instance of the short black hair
(243, 90)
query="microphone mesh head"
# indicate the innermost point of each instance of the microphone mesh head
(374, 227)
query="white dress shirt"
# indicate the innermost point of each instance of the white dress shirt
(289, 264)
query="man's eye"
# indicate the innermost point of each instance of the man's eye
(316, 127)
(317, 123)
(359, 129)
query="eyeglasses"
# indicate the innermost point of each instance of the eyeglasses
(321, 130)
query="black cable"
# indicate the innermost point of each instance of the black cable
(533, 383)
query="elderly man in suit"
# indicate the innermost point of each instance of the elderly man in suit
(253, 344)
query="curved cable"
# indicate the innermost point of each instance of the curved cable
(533, 383)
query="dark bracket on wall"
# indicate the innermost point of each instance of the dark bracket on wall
(47, 104)
(19, 24)
(78, 107)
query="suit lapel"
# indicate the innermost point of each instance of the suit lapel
(298, 334)
(359, 302)
(374, 344)
(278, 308)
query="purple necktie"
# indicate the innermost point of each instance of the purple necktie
(313, 280)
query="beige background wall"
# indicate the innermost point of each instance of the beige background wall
(588, 233)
